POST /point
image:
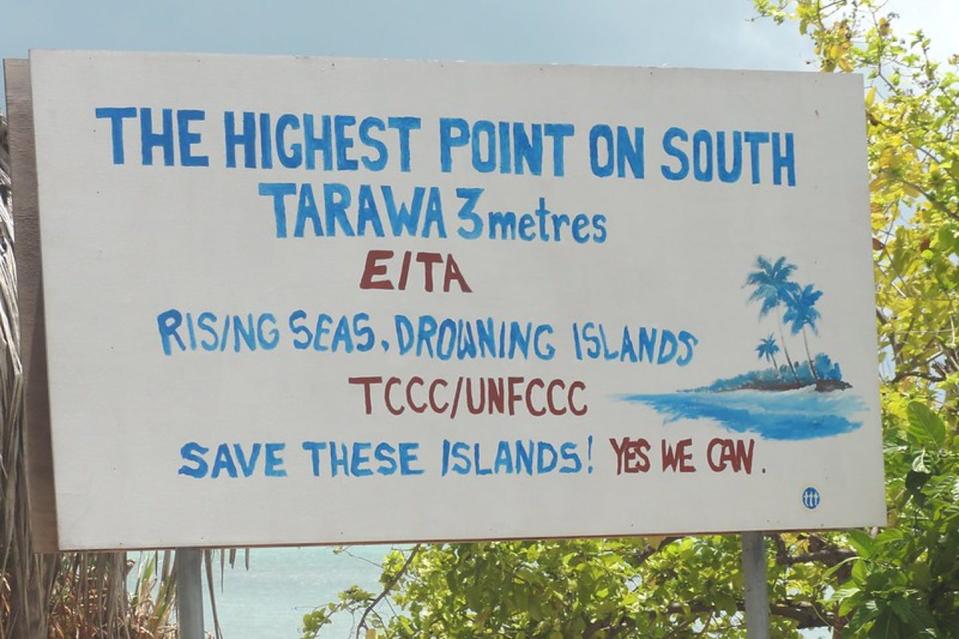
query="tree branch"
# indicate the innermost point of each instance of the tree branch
(830, 557)
(386, 590)
(929, 377)
(804, 614)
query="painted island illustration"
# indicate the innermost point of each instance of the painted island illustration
(788, 399)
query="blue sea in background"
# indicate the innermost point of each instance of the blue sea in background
(269, 600)
(790, 415)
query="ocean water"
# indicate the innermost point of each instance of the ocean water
(269, 600)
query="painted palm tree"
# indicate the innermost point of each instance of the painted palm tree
(800, 313)
(773, 287)
(767, 350)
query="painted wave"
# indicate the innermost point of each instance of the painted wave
(792, 415)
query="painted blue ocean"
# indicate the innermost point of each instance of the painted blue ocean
(788, 415)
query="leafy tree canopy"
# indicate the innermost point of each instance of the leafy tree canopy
(900, 581)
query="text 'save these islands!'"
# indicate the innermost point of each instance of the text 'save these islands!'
(312, 300)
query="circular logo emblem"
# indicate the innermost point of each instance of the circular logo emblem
(810, 498)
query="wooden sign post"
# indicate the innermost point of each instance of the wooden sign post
(37, 444)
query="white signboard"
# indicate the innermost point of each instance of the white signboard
(307, 300)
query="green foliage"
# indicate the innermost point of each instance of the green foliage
(901, 581)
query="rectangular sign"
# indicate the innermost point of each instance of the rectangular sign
(309, 300)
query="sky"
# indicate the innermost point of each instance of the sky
(680, 33)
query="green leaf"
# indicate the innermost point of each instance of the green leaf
(847, 598)
(859, 571)
(925, 425)
(862, 542)
(902, 610)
